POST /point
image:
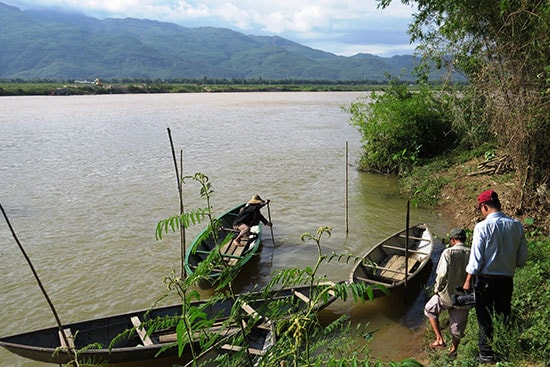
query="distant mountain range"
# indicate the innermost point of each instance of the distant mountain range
(62, 46)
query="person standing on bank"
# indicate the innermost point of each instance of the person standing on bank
(249, 216)
(450, 274)
(498, 247)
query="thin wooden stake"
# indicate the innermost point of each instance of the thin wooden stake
(407, 244)
(347, 193)
(180, 193)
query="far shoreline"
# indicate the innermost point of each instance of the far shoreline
(70, 89)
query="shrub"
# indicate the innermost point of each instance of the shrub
(401, 128)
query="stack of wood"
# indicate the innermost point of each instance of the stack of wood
(494, 166)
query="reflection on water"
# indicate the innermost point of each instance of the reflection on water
(85, 180)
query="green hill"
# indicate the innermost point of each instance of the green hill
(61, 46)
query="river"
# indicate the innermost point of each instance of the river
(85, 179)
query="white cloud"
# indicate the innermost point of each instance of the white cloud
(330, 25)
(383, 50)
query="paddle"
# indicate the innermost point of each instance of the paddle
(271, 226)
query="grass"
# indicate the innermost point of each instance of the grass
(524, 341)
(444, 182)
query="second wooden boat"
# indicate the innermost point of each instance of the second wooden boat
(233, 254)
(92, 340)
(393, 262)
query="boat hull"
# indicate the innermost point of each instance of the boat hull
(204, 243)
(394, 262)
(44, 345)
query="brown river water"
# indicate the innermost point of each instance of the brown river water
(85, 179)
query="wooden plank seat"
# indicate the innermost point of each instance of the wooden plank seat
(70, 338)
(395, 267)
(415, 238)
(141, 331)
(250, 310)
(266, 324)
(372, 281)
(402, 249)
(301, 296)
(233, 252)
(236, 348)
(379, 267)
(221, 330)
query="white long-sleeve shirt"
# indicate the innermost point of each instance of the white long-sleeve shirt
(498, 246)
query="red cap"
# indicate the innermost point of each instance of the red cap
(487, 195)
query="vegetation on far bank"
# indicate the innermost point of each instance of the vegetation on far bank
(25, 88)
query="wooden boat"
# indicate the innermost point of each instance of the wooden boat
(233, 254)
(46, 345)
(385, 263)
(262, 336)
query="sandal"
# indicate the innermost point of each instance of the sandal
(438, 345)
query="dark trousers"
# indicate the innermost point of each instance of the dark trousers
(494, 298)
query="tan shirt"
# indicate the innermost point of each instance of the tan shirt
(451, 271)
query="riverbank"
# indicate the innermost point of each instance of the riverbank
(467, 180)
(99, 88)
(462, 183)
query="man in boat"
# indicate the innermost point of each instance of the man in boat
(250, 215)
(498, 247)
(450, 274)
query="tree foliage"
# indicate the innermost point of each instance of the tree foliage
(503, 48)
(400, 128)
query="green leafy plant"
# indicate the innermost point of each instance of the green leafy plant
(400, 128)
(490, 154)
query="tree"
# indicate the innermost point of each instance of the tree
(503, 47)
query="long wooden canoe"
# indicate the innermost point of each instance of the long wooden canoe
(384, 264)
(46, 345)
(234, 255)
(238, 351)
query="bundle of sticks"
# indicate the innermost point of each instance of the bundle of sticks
(494, 166)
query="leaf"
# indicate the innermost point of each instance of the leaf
(370, 293)
(410, 362)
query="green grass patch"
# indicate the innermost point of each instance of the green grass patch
(524, 341)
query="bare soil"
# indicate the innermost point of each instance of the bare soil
(458, 202)
(458, 198)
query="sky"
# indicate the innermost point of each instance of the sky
(342, 27)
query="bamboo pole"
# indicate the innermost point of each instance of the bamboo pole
(407, 244)
(180, 193)
(50, 303)
(346, 192)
